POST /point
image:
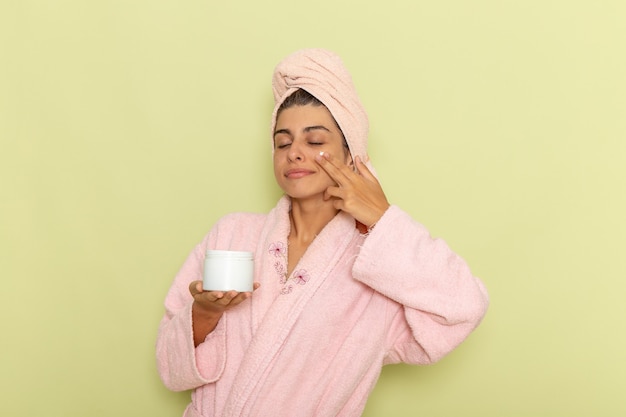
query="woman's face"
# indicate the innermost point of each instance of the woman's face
(301, 133)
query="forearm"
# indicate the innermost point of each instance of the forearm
(203, 322)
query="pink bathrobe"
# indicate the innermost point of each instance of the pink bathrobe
(314, 344)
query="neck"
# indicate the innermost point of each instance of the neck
(308, 218)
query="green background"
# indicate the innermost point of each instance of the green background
(128, 128)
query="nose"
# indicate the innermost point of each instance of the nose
(295, 153)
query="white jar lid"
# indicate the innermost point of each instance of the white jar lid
(231, 254)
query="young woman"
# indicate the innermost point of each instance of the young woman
(344, 282)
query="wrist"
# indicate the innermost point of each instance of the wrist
(205, 312)
(376, 219)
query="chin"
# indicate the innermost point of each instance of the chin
(305, 195)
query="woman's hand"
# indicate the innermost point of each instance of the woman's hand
(357, 193)
(216, 302)
(208, 307)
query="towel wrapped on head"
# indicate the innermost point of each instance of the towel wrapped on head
(322, 74)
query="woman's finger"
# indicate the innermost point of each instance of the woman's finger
(363, 169)
(195, 287)
(335, 170)
(227, 298)
(332, 192)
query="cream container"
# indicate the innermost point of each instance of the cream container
(226, 270)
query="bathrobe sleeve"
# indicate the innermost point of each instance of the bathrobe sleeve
(181, 365)
(442, 301)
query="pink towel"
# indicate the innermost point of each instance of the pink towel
(322, 74)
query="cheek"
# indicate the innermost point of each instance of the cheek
(275, 165)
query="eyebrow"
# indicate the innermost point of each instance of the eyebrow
(305, 130)
(318, 127)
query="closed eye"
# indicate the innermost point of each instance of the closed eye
(282, 142)
(283, 146)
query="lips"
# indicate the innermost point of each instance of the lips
(298, 173)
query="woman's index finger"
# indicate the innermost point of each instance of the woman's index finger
(328, 163)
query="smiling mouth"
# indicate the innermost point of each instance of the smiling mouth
(297, 173)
